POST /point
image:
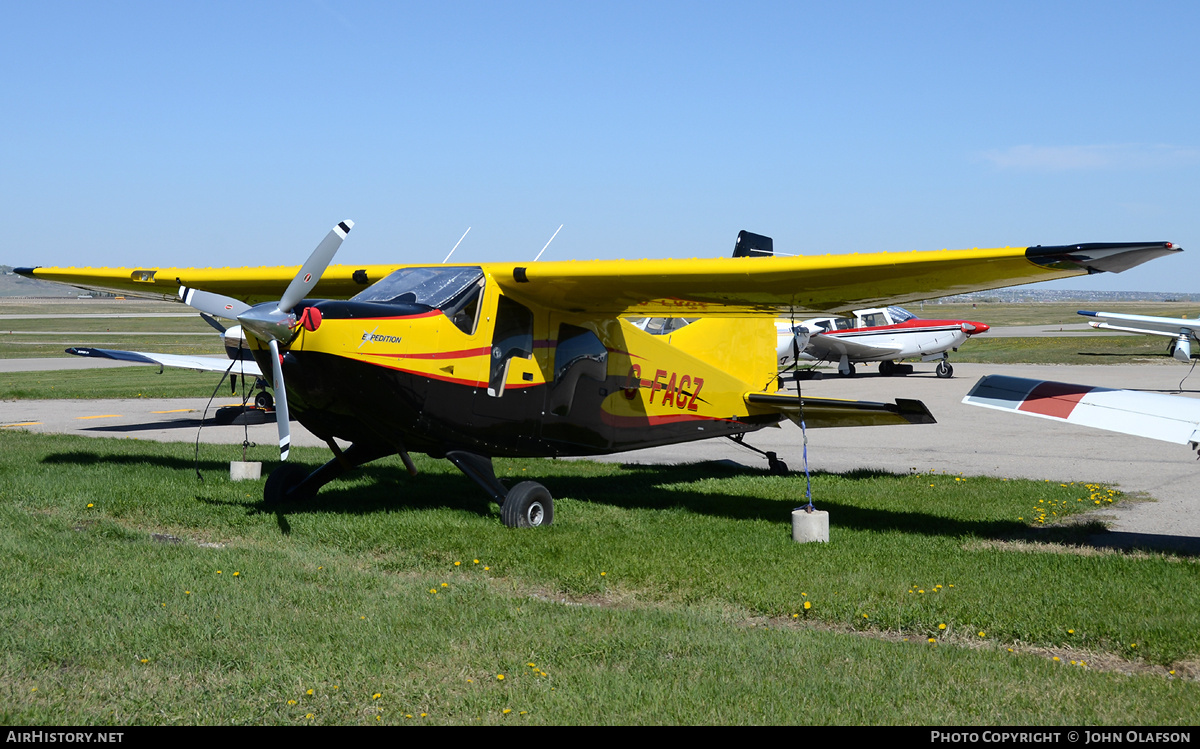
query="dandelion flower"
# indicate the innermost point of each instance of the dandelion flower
(807, 605)
(457, 564)
(291, 702)
(235, 574)
(933, 639)
(309, 692)
(507, 710)
(941, 626)
(1056, 658)
(445, 585)
(500, 677)
(602, 574)
(90, 504)
(982, 633)
(218, 572)
(377, 695)
(476, 561)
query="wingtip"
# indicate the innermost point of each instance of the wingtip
(1085, 312)
(27, 272)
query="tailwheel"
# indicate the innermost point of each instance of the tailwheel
(527, 505)
(776, 466)
(283, 480)
(944, 369)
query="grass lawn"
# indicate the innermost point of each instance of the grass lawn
(132, 592)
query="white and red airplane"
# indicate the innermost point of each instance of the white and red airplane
(888, 335)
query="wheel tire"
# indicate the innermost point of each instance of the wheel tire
(778, 467)
(848, 373)
(1171, 347)
(887, 368)
(264, 400)
(944, 370)
(527, 505)
(281, 481)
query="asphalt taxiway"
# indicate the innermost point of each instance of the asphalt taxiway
(968, 440)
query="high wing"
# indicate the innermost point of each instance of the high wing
(1164, 326)
(1181, 329)
(1159, 416)
(243, 367)
(714, 286)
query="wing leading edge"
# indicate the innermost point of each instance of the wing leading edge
(727, 286)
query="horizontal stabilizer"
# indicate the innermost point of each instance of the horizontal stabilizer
(1159, 416)
(244, 367)
(835, 412)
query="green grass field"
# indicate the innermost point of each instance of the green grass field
(135, 593)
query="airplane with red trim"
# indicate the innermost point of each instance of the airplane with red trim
(888, 335)
(473, 362)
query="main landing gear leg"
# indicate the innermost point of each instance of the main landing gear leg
(291, 483)
(777, 466)
(944, 369)
(526, 505)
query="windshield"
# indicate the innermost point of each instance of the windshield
(440, 288)
(899, 314)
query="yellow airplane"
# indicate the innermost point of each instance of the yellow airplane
(471, 362)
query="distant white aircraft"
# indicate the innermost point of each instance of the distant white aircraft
(888, 335)
(1180, 330)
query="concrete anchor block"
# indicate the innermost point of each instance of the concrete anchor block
(810, 526)
(244, 470)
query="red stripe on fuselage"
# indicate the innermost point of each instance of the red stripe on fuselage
(648, 420)
(1056, 399)
(483, 351)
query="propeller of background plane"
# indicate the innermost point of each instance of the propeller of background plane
(273, 322)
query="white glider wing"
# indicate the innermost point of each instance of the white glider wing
(1171, 418)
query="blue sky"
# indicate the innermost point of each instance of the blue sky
(237, 133)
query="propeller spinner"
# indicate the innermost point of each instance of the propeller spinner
(273, 322)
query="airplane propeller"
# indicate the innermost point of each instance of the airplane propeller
(273, 322)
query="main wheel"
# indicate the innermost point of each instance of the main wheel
(887, 368)
(264, 400)
(281, 481)
(849, 371)
(527, 505)
(1171, 347)
(944, 369)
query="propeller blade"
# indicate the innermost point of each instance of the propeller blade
(281, 408)
(216, 305)
(316, 264)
